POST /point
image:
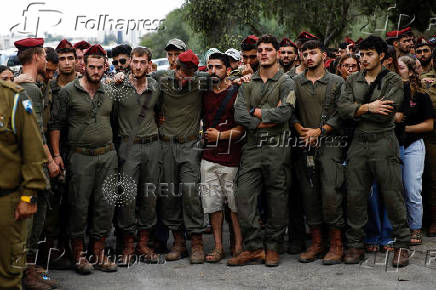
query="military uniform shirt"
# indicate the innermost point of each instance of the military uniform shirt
(21, 151)
(35, 94)
(353, 96)
(181, 106)
(129, 107)
(310, 98)
(87, 120)
(265, 96)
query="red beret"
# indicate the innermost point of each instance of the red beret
(306, 36)
(188, 58)
(328, 62)
(398, 34)
(82, 45)
(349, 41)
(26, 43)
(359, 40)
(95, 49)
(251, 39)
(64, 44)
(287, 42)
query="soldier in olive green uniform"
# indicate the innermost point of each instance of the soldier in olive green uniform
(180, 203)
(374, 151)
(140, 156)
(22, 153)
(321, 180)
(265, 160)
(92, 159)
(429, 186)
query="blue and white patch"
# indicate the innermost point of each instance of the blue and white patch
(27, 104)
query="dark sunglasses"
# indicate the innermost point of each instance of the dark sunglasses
(122, 61)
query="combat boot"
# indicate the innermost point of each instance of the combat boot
(248, 258)
(272, 258)
(197, 253)
(103, 263)
(336, 251)
(178, 251)
(128, 250)
(354, 256)
(142, 249)
(316, 248)
(401, 258)
(81, 263)
(36, 278)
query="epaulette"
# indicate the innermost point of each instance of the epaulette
(13, 86)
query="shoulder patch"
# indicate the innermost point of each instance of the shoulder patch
(27, 104)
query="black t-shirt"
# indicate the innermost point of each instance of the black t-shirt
(417, 109)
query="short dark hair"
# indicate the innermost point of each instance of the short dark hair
(51, 55)
(221, 56)
(313, 44)
(374, 42)
(25, 57)
(98, 56)
(3, 68)
(268, 38)
(121, 49)
(140, 51)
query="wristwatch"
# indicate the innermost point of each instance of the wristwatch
(323, 131)
(252, 111)
(28, 199)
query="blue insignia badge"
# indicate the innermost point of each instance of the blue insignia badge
(27, 104)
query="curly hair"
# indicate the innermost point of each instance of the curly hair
(415, 83)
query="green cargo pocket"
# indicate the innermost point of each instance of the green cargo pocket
(18, 258)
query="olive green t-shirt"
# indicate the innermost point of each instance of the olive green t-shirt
(87, 120)
(130, 105)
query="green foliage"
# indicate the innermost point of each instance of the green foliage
(224, 23)
(175, 26)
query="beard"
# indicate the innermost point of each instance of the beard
(314, 66)
(425, 62)
(139, 76)
(92, 80)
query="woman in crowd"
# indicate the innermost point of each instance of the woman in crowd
(417, 120)
(6, 74)
(348, 64)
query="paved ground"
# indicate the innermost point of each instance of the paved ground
(372, 274)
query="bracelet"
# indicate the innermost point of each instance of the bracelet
(219, 135)
(369, 111)
(56, 155)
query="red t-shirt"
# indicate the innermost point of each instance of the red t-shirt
(226, 152)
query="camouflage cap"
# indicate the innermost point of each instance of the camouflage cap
(176, 43)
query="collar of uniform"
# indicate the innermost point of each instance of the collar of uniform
(361, 75)
(77, 84)
(54, 84)
(256, 76)
(325, 78)
(149, 87)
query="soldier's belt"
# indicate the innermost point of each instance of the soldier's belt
(95, 151)
(373, 136)
(142, 140)
(177, 139)
(4, 192)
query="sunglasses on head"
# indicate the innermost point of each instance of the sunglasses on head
(122, 61)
